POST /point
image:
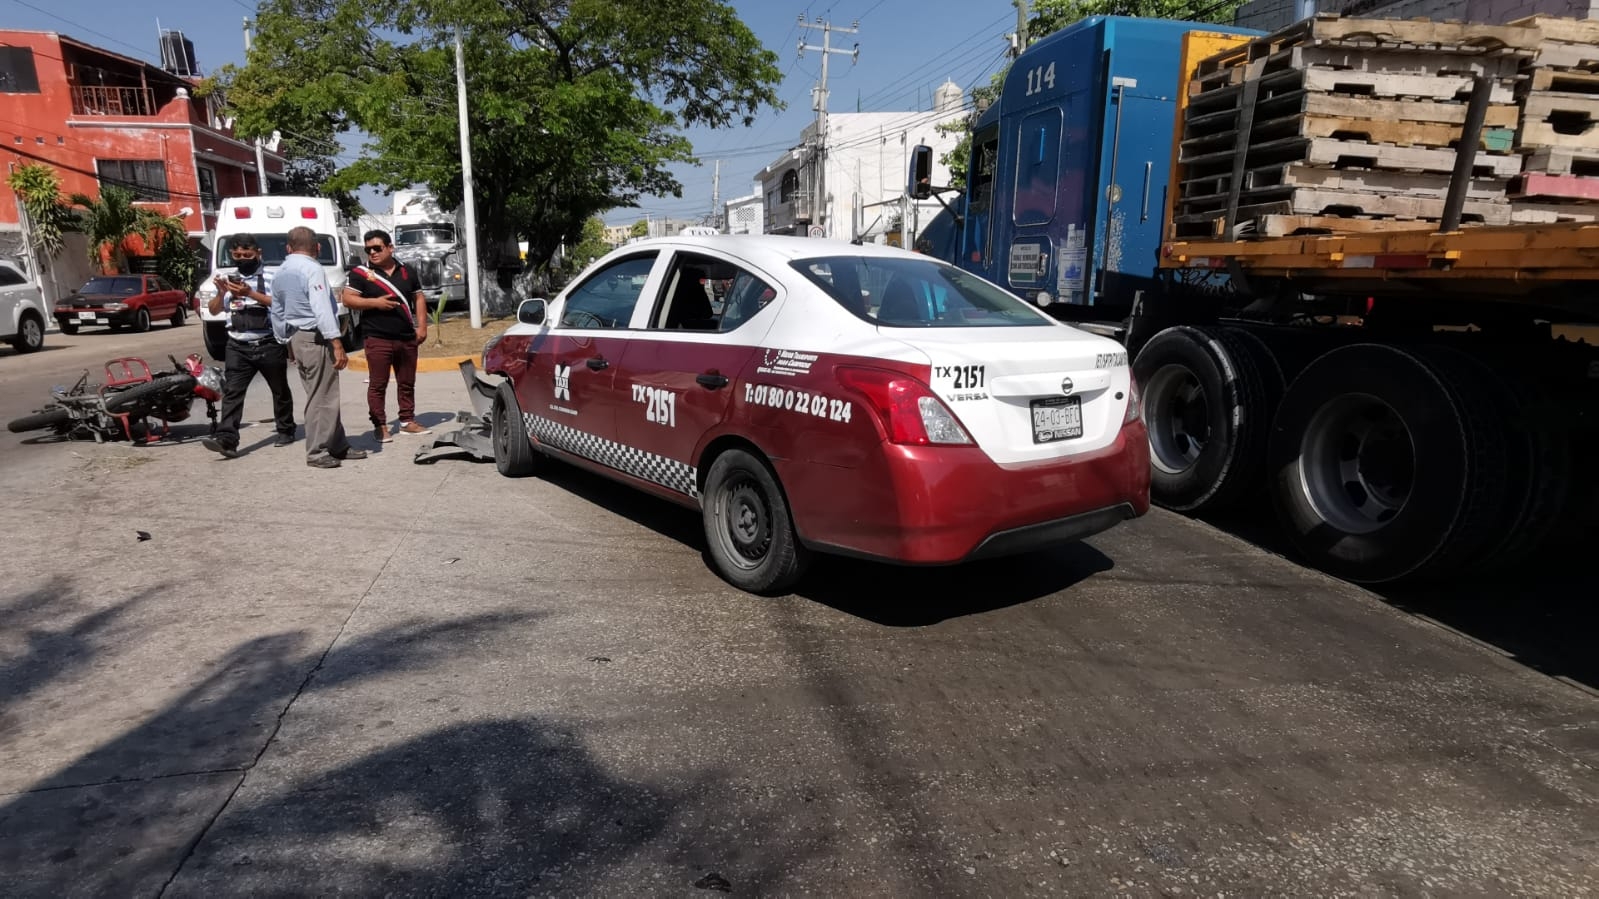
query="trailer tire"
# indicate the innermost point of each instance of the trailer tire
(1208, 401)
(1537, 465)
(1388, 462)
(514, 455)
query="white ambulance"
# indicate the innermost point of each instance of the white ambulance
(269, 220)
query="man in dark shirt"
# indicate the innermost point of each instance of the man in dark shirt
(394, 322)
(246, 296)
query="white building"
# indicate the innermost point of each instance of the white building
(744, 215)
(859, 192)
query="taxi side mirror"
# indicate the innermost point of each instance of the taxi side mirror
(531, 312)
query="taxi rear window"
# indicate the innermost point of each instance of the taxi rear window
(915, 293)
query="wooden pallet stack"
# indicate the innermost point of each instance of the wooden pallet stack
(1348, 125)
(1559, 125)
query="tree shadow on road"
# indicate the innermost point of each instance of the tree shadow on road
(503, 807)
(53, 634)
(118, 819)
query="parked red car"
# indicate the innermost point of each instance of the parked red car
(122, 301)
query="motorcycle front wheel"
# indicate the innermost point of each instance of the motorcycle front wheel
(49, 418)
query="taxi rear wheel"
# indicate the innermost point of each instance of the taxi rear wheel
(513, 452)
(748, 527)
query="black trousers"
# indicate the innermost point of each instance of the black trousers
(242, 361)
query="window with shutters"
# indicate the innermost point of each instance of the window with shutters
(147, 179)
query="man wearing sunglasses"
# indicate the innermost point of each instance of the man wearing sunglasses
(394, 323)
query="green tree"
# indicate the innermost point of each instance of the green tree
(114, 226)
(574, 105)
(641, 228)
(1050, 16)
(39, 188)
(590, 246)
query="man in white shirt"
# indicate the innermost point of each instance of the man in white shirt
(305, 315)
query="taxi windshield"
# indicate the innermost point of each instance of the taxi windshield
(916, 293)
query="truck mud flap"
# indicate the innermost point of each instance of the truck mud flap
(475, 436)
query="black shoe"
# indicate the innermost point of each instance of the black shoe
(217, 446)
(351, 454)
(323, 462)
(283, 440)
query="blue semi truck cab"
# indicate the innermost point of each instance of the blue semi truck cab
(1066, 194)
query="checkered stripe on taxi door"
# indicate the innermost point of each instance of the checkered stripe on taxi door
(669, 473)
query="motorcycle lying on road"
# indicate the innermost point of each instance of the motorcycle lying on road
(132, 396)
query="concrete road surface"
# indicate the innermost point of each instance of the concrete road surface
(401, 679)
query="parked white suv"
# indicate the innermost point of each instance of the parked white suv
(22, 312)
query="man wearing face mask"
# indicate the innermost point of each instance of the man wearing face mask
(246, 295)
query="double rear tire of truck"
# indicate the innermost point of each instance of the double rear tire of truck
(1382, 462)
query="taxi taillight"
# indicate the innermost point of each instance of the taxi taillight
(909, 410)
(1135, 400)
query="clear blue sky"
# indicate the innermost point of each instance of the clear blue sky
(907, 48)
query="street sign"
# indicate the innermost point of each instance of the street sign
(817, 231)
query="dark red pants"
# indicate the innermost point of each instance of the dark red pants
(383, 354)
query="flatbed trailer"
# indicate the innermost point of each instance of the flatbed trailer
(1506, 262)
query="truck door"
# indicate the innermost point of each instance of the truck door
(1135, 200)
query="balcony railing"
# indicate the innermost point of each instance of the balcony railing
(124, 101)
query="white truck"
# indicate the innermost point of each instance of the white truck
(426, 240)
(269, 219)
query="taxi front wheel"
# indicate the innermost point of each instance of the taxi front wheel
(514, 455)
(748, 527)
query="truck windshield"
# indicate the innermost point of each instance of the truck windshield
(912, 293)
(275, 248)
(416, 237)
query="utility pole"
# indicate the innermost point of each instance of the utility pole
(819, 199)
(260, 155)
(1020, 42)
(474, 275)
(716, 196)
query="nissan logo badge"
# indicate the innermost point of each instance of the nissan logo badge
(1066, 386)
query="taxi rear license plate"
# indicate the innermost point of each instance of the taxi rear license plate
(1057, 418)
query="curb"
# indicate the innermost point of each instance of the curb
(424, 364)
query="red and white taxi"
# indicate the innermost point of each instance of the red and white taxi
(814, 395)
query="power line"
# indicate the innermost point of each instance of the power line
(142, 53)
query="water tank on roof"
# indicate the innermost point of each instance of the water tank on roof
(948, 97)
(177, 54)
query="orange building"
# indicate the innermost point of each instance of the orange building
(100, 118)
